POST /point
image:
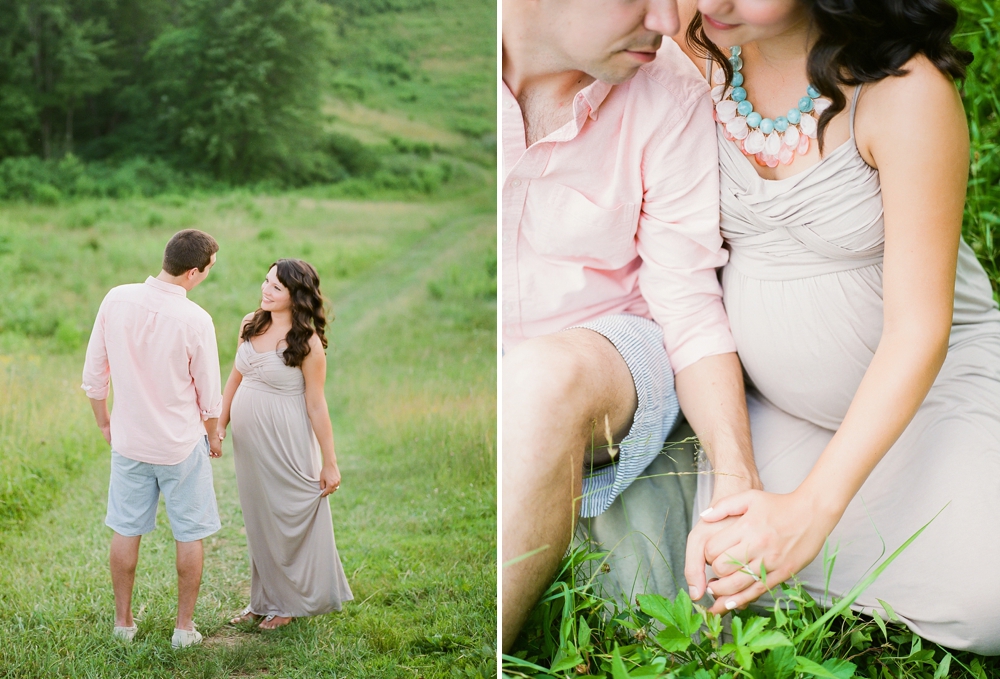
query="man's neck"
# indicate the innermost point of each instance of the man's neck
(540, 78)
(180, 281)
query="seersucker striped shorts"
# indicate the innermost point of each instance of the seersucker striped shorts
(640, 342)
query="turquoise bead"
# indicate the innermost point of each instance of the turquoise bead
(781, 123)
(737, 63)
(767, 126)
(805, 104)
(744, 108)
(794, 116)
(812, 91)
(739, 94)
(736, 50)
(737, 80)
(754, 119)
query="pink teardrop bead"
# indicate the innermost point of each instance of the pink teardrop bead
(785, 155)
(803, 145)
(759, 157)
(772, 161)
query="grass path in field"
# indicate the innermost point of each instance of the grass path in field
(413, 404)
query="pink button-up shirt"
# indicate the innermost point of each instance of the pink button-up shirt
(618, 211)
(159, 348)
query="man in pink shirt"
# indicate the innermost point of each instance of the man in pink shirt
(159, 350)
(612, 310)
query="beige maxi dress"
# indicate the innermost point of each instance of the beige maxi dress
(294, 566)
(803, 291)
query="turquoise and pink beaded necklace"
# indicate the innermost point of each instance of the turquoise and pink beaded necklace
(769, 141)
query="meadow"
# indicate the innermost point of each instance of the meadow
(404, 241)
(579, 630)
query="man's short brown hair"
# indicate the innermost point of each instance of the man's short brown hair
(188, 249)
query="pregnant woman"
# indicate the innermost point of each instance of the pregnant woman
(865, 324)
(283, 450)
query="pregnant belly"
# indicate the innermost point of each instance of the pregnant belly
(806, 343)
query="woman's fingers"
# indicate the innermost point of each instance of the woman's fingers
(741, 599)
(733, 505)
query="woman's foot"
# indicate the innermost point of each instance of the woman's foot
(245, 616)
(274, 622)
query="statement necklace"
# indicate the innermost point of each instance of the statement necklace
(768, 141)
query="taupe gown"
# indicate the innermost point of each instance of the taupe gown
(294, 566)
(803, 291)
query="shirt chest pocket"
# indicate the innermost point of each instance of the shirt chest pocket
(561, 223)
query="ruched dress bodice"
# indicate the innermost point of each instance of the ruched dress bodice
(803, 291)
(267, 372)
(803, 287)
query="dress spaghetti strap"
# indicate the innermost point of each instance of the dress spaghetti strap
(854, 106)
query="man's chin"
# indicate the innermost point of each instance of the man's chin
(618, 74)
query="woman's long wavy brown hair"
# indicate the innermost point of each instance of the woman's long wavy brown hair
(862, 42)
(308, 315)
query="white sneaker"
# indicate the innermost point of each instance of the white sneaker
(125, 633)
(183, 638)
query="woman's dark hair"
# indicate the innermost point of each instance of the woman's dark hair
(308, 317)
(863, 41)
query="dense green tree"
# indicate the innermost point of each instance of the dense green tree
(236, 84)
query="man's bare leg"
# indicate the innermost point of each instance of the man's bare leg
(124, 557)
(557, 390)
(189, 563)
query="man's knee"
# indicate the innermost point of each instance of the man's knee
(562, 386)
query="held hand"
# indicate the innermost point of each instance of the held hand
(106, 432)
(221, 432)
(214, 446)
(695, 561)
(774, 537)
(329, 479)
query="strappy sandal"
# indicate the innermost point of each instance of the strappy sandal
(245, 616)
(271, 617)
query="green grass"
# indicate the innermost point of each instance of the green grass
(412, 393)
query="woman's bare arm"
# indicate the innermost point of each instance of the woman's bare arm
(314, 371)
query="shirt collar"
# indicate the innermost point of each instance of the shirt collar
(166, 287)
(594, 94)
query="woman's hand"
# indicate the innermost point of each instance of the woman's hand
(221, 431)
(774, 537)
(329, 479)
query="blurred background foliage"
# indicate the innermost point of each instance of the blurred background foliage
(142, 97)
(979, 32)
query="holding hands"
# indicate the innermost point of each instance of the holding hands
(754, 541)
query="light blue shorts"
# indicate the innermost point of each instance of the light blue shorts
(640, 342)
(187, 489)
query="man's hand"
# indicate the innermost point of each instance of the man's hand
(214, 440)
(768, 538)
(695, 560)
(329, 479)
(102, 417)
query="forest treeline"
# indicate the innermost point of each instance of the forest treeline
(104, 97)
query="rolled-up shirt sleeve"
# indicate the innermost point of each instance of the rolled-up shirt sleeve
(204, 366)
(96, 369)
(678, 237)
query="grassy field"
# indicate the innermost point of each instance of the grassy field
(412, 395)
